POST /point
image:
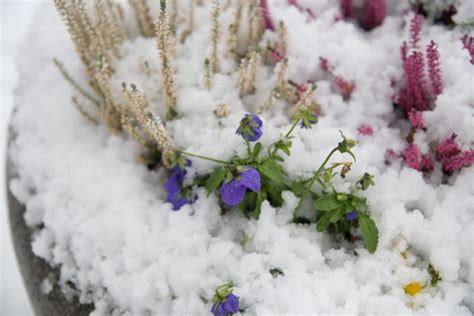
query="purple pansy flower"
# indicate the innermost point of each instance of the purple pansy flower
(176, 194)
(309, 121)
(250, 127)
(352, 216)
(233, 191)
(227, 307)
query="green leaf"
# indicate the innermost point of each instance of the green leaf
(370, 233)
(215, 178)
(258, 205)
(256, 150)
(337, 214)
(278, 158)
(273, 190)
(323, 223)
(327, 202)
(298, 188)
(272, 170)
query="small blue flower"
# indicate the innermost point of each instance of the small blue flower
(352, 216)
(250, 127)
(308, 121)
(230, 305)
(176, 194)
(233, 191)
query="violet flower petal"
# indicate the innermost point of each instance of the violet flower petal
(233, 192)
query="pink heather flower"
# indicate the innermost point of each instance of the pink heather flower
(447, 148)
(412, 156)
(416, 119)
(301, 88)
(415, 30)
(374, 12)
(267, 20)
(426, 163)
(413, 95)
(324, 64)
(365, 130)
(459, 161)
(278, 54)
(468, 43)
(296, 4)
(346, 8)
(432, 55)
(344, 86)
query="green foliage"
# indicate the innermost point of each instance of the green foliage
(370, 233)
(336, 212)
(435, 276)
(215, 179)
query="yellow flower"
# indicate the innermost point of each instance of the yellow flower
(413, 288)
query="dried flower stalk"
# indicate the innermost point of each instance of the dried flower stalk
(234, 29)
(143, 17)
(167, 72)
(247, 73)
(207, 75)
(215, 34)
(190, 27)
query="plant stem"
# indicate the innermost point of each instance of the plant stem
(291, 129)
(315, 177)
(206, 158)
(286, 135)
(249, 150)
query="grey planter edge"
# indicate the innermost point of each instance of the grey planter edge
(34, 269)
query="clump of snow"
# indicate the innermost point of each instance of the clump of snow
(101, 216)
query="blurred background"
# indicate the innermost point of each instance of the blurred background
(15, 16)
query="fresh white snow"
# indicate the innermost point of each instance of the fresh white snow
(105, 224)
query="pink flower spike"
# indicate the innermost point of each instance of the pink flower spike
(447, 148)
(416, 119)
(267, 20)
(434, 71)
(374, 12)
(278, 54)
(468, 43)
(344, 87)
(457, 162)
(296, 4)
(365, 130)
(412, 157)
(415, 30)
(426, 163)
(346, 8)
(413, 95)
(324, 64)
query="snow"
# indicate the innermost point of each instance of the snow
(101, 216)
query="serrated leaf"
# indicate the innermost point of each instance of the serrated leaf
(327, 202)
(271, 169)
(215, 178)
(323, 222)
(369, 231)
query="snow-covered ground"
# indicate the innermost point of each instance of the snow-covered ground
(105, 222)
(15, 16)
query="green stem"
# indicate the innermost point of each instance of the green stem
(291, 129)
(206, 158)
(315, 177)
(286, 135)
(249, 150)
